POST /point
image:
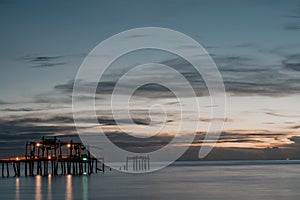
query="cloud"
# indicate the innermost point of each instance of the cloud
(292, 62)
(20, 109)
(139, 145)
(295, 139)
(44, 61)
(292, 27)
(216, 119)
(238, 136)
(272, 113)
(18, 129)
(111, 121)
(246, 45)
(239, 75)
(107, 87)
(294, 24)
(293, 16)
(4, 102)
(242, 76)
(295, 127)
(66, 87)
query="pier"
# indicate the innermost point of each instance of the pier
(51, 156)
(139, 163)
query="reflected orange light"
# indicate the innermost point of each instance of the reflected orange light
(49, 157)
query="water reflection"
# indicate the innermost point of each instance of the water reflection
(17, 189)
(38, 187)
(85, 185)
(69, 195)
(49, 187)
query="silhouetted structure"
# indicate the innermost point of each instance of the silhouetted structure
(139, 163)
(53, 156)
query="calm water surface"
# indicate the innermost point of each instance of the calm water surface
(183, 180)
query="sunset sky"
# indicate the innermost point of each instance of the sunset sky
(255, 44)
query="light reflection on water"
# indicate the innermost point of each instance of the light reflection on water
(43, 184)
(85, 185)
(38, 187)
(69, 191)
(221, 182)
(17, 188)
(49, 187)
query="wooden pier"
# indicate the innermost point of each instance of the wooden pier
(53, 157)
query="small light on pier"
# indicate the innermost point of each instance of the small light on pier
(38, 144)
(68, 145)
(49, 157)
(84, 159)
(17, 158)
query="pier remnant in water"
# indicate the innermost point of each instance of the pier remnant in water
(139, 163)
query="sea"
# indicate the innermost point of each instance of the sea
(232, 180)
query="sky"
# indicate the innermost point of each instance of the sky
(255, 44)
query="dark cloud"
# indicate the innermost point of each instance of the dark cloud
(110, 121)
(246, 45)
(66, 87)
(292, 62)
(43, 58)
(241, 141)
(242, 136)
(293, 16)
(216, 119)
(18, 129)
(295, 127)
(4, 102)
(42, 65)
(294, 24)
(255, 133)
(261, 87)
(21, 109)
(54, 98)
(272, 113)
(238, 64)
(292, 27)
(243, 77)
(44, 61)
(106, 87)
(240, 78)
(233, 59)
(139, 145)
(295, 139)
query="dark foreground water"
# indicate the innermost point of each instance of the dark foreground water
(183, 180)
